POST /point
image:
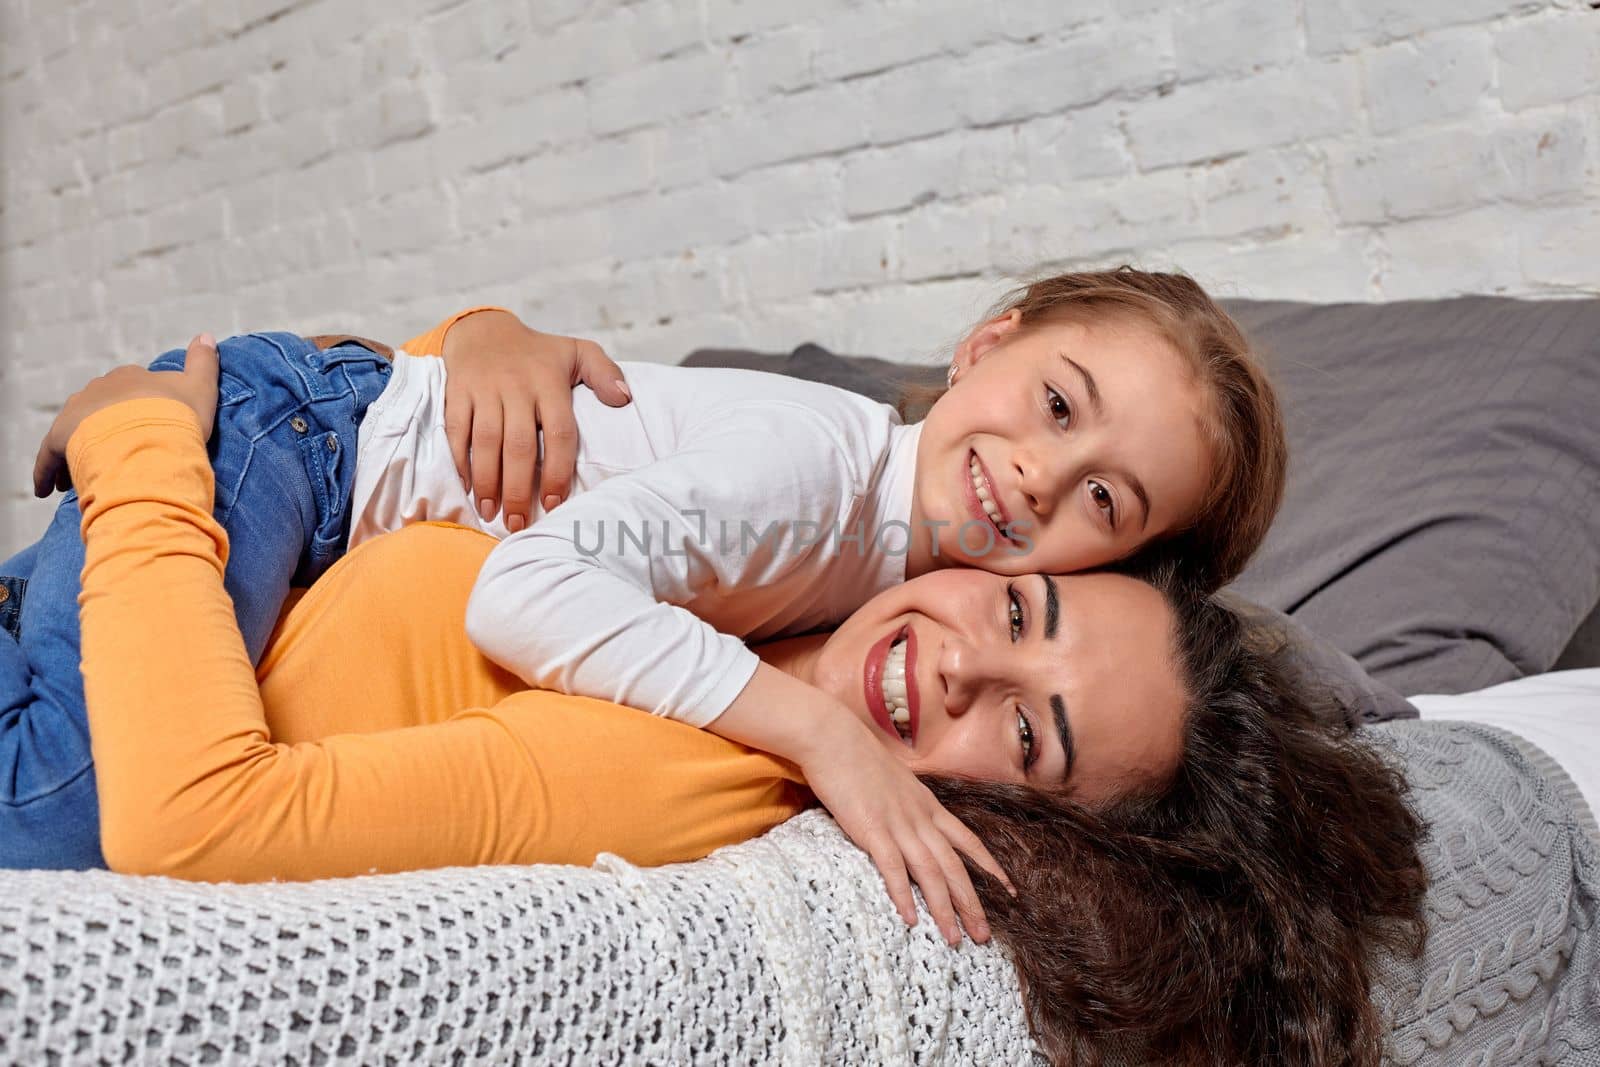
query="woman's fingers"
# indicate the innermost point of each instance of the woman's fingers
(458, 428)
(201, 369)
(50, 464)
(486, 422)
(519, 454)
(560, 429)
(599, 372)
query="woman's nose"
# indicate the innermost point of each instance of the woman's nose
(961, 671)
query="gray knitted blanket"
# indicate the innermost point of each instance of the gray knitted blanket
(779, 950)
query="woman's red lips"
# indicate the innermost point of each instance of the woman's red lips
(872, 683)
(913, 702)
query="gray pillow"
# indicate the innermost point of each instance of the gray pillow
(1442, 521)
(1357, 696)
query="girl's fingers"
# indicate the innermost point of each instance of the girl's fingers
(963, 895)
(930, 878)
(964, 840)
(891, 866)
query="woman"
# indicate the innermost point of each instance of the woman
(1181, 903)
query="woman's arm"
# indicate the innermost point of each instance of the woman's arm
(192, 784)
(507, 386)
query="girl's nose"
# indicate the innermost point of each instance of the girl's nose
(1039, 476)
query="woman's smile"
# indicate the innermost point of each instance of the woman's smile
(889, 680)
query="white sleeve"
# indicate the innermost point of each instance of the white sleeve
(573, 603)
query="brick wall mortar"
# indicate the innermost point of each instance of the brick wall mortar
(661, 174)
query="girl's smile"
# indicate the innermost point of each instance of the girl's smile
(1060, 447)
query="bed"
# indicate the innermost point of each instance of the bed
(1476, 416)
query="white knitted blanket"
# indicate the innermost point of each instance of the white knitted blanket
(780, 950)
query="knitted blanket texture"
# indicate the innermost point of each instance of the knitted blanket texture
(784, 949)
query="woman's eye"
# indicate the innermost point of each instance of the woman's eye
(1103, 500)
(1060, 410)
(1025, 735)
(1016, 616)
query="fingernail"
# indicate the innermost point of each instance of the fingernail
(486, 509)
(551, 501)
(208, 340)
(622, 387)
(515, 523)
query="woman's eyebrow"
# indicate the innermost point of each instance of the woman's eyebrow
(1058, 712)
(1058, 707)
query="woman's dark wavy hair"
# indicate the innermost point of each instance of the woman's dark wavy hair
(1230, 914)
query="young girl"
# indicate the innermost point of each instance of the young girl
(1096, 418)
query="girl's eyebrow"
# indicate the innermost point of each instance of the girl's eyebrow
(1052, 606)
(1091, 387)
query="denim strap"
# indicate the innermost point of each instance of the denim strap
(11, 593)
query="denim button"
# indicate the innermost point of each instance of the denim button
(5, 594)
(333, 444)
(298, 424)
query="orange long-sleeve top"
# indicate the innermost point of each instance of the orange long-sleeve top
(372, 737)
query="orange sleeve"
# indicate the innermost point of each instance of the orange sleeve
(193, 784)
(432, 342)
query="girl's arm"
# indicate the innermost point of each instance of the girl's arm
(192, 784)
(615, 596)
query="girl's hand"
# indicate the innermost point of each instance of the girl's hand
(195, 385)
(910, 836)
(504, 384)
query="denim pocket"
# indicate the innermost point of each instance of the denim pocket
(323, 454)
(231, 389)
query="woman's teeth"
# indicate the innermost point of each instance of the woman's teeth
(980, 485)
(894, 688)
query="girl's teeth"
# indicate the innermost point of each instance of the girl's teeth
(981, 487)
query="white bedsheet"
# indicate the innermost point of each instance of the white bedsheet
(1559, 712)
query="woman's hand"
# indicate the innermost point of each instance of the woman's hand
(896, 820)
(195, 385)
(504, 384)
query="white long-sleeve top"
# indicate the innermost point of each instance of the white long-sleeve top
(644, 585)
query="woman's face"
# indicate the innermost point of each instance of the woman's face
(1087, 438)
(1034, 680)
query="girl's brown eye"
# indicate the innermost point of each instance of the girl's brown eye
(1103, 500)
(1060, 410)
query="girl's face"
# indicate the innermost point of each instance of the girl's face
(1060, 447)
(1033, 680)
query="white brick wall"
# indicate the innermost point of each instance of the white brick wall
(663, 174)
